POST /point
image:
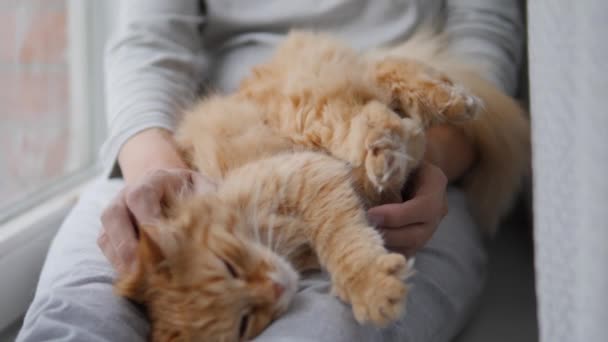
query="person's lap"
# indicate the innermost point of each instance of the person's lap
(75, 301)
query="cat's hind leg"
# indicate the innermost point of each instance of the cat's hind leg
(425, 93)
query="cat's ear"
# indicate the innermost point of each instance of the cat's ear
(423, 93)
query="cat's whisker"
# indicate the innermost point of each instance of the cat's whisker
(403, 155)
(274, 245)
(256, 222)
(278, 241)
(287, 254)
(256, 229)
(256, 226)
(282, 240)
(270, 232)
(420, 97)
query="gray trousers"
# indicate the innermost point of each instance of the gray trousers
(74, 299)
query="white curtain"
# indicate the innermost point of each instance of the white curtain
(568, 50)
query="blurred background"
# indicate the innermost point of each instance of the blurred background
(52, 124)
(36, 96)
(51, 103)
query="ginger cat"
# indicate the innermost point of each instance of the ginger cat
(309, 141)
(222, 266)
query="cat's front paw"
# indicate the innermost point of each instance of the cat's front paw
(388, 161)
(379, 296)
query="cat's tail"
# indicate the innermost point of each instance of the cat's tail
(502, 137)
(501, 133)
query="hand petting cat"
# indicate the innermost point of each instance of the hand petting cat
(140, 203)
(152, 168)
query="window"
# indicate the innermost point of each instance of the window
(51, 125)
(51, 102)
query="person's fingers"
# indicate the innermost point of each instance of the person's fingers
(120, 231)
(108, 250)
(141, 204)
(409, 238)
(103, 242)
(430, 179)
(396, 215)
(430, 183)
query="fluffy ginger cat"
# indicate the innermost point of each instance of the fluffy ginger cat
(310, 140)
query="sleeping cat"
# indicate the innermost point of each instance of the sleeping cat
(222, 266)
(309, 141)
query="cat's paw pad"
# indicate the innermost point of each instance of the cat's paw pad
(385, 162)
(381, 299)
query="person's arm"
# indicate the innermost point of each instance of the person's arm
(152, 73)
(151, 149)
(491, 33)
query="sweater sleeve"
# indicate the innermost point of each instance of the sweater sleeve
(491, 34)
(153, 67)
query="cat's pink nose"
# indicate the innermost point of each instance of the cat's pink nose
(278, 290)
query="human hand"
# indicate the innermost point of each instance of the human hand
(408, 226)
(140, 203)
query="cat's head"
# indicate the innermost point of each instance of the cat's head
(202, 277)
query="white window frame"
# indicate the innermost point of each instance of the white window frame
(26, 235)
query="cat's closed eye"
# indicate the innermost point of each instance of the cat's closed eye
(243, 325)
(230, 269)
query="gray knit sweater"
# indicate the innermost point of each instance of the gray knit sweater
(164, 53)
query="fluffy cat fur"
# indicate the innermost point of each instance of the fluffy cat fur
(308, 97)
(309, 140)
(222, 266)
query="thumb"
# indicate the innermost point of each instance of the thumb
(395, 215)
